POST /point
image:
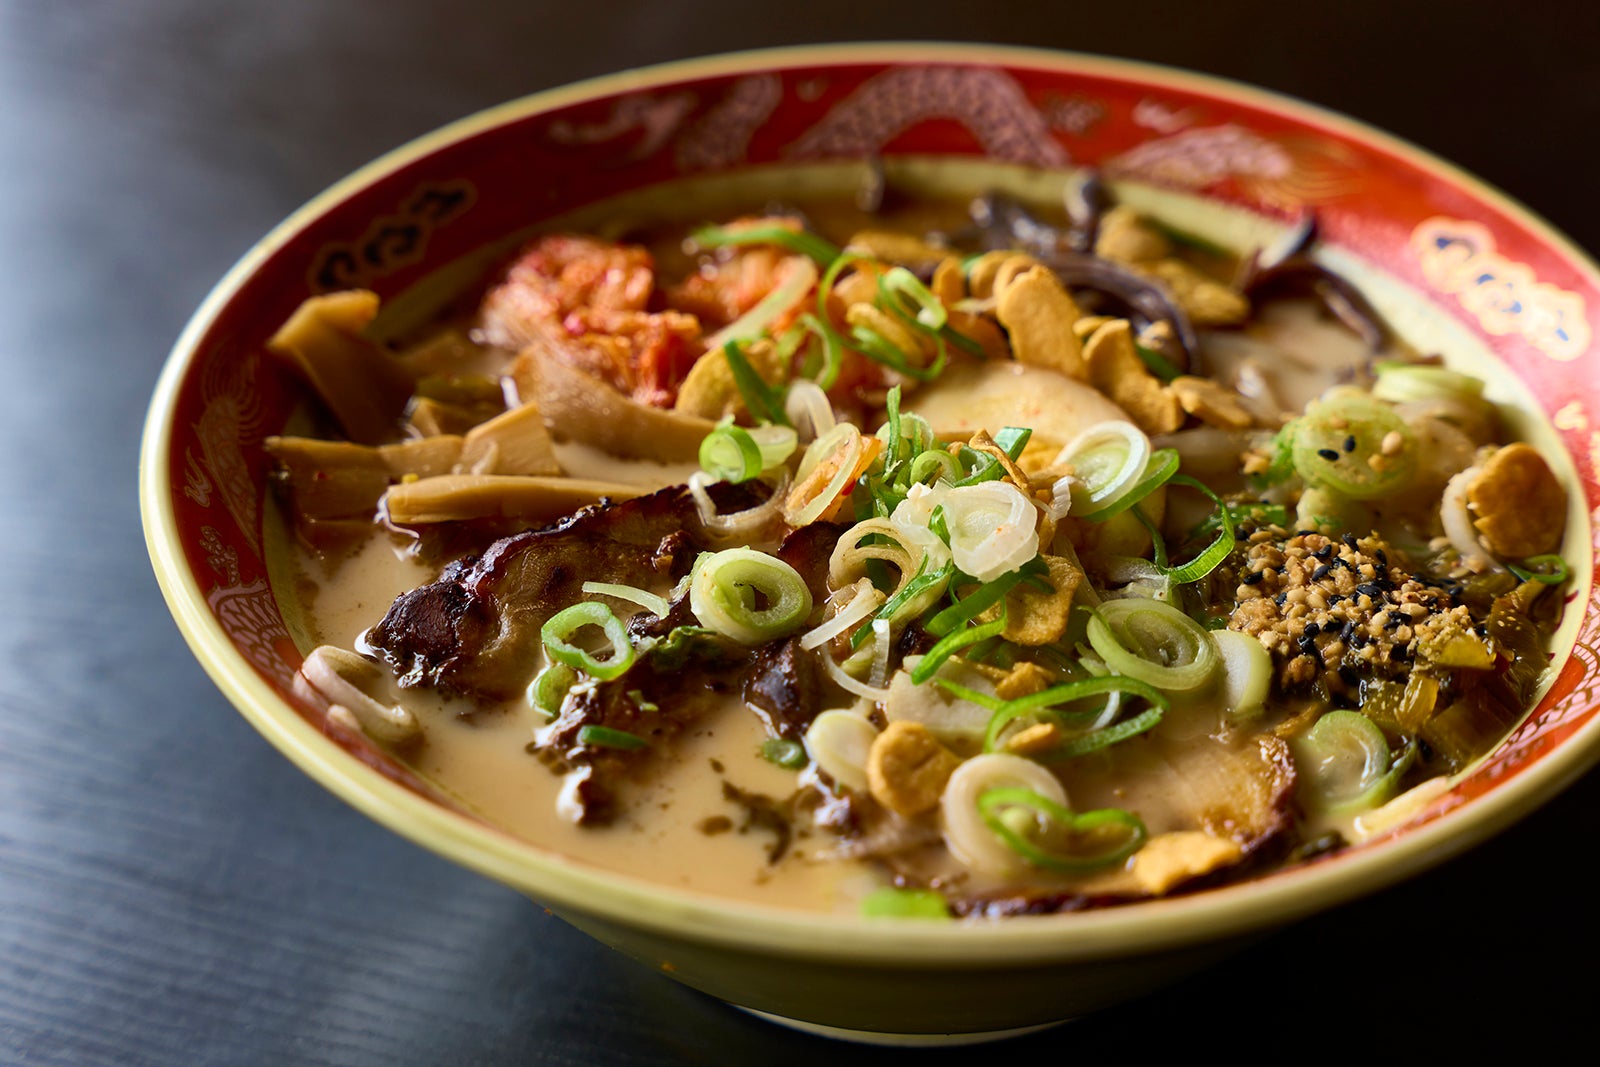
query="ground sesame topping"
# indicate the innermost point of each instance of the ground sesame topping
(1332, 612)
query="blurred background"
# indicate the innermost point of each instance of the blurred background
(174, 892)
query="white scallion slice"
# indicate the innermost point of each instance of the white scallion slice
(1247, 673)
(654, 604)
(776, 444)
(1456, 517)
(728, 586)
(851, 684)
(970, 840)
(994, 529)
(1155, 643)
(880, 653)
(1107, 460)
(1345, 760)
(808, 407)
(838, 741)
(825, 472)
(860, 601)
(745, 525)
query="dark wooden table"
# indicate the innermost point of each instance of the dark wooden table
(174, 892)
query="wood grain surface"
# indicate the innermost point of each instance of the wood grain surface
(174, 892)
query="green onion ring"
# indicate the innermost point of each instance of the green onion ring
(992, 801)
(730, 454)
(722, 595)
(1153, 642)
(558, 631)
(550, 687)
(1161, 468)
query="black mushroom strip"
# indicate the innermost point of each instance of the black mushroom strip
(1286, 268)
(475, 630)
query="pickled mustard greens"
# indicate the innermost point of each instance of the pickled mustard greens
(921, 569)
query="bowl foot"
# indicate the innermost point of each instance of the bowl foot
(878, 1037)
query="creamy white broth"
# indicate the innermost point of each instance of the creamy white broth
(480, 760)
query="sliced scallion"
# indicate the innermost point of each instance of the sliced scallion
(1153, 642)
(654, 604)
(550, 687)
(558, 633)
(764, 402)
(1112, 833)
(892, 902)
(1047, 703)
(790, 755)
(1247, 672)
(1344, 760)
(1162, 468)
(1376, 466)
(729, 454)
(1547, 570)
(1146, 720)
(606, 737)
(1211, 557)
(952, 643)
(901, 293)
(727, 587)
(806, 244)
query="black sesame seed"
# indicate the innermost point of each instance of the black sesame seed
(1328, 454)
(1312, 629)
(1395, 621)
(1324, 552)
(1347, 630)
(1320, 573)
(1359, 640)
(1372, 589)
(1350, 444)
(1280, 598)
(1309, 648)
(1252, 578)
(1350, 542)
(1382, 557)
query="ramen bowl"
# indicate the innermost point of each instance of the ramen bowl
(1455, 266)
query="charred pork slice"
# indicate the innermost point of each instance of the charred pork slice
(475, 631)
(1212, 807)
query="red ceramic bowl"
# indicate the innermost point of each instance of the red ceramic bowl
(1454, 264)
